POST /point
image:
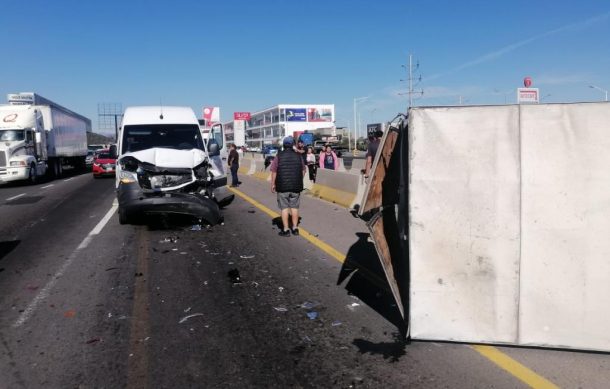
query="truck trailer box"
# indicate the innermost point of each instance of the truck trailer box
(492, 223)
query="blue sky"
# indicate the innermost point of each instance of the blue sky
(250, 55)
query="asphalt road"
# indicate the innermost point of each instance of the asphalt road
(89, 303)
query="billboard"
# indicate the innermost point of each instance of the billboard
(296, 114)
(211, 115)
(319, 114)
(527, 95)
(241, 115)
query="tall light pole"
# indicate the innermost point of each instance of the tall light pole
(357, 100)
(600, 89)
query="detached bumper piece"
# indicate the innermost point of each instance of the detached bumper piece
(134, 203)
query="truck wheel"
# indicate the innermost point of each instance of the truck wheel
(33, 176)
(57, 168)
(123, 219)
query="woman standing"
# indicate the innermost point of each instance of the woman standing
(328, 159)
(233, 165)
(311, 164)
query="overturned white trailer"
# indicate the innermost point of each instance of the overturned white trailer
(493, 223)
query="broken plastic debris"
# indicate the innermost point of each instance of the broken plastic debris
(336, 323)
(281, 288)
(352, 306)
(109, 315)
(170, 239)
(309, 305)
(313, 315)
(174, 249)
(185, 318)
(280, 309)
(187, 310)
(196, 227)
(246, 256)
(234, 276)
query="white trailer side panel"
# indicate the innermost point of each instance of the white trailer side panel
(66, 134)
(464, 226)
(565, 266)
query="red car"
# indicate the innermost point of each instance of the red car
(103, 164)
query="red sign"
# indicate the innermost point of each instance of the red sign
(241, 115)
(527, 82)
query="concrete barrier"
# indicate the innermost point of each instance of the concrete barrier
(244, 166)
(357, 165)
(336, 187)
(259, 170)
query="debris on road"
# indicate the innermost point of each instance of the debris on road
(187, 310)
(309, 305)
(196, 227)
(70, 313)
(280, 309)
(336, 323)
(251, 211)
(246, 256)
(112, 268)
(93, 340)
(352, 306)
(185, 318)
(312, 315)
(139, 274)
(281, 289)
(170, 239)
(234, 276)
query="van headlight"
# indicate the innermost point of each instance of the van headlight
(126, 177)
(17, 163)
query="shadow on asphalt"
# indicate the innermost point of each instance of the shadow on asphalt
(67, 173)
(6, 247)
(391, 351)
(368, 283)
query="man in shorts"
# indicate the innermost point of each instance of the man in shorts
(287, 172)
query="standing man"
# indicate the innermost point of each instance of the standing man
(287, 172)
(374, 135)
(233, 165)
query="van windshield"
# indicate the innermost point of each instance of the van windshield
(173, 136)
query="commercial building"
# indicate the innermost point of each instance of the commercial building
(271, 125)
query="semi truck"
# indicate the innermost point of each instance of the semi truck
(38, 137)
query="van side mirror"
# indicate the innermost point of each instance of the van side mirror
(213, 148)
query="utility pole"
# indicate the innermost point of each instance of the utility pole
(409, 79)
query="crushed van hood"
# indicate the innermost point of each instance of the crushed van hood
(170, 158)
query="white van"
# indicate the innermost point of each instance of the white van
(164, 166)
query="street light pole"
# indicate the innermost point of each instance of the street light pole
(600, 89)
(357, 100)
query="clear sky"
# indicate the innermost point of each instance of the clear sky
(250, 55)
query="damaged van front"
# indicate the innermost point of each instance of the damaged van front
(163, 167)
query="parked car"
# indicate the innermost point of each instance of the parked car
(104, 164)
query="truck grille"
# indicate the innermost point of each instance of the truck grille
(2, 158)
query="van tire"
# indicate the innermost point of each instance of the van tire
(123, 219)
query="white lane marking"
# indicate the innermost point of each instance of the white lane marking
(44, 292)
(47, 186)
(15, 197)
(68, 179)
